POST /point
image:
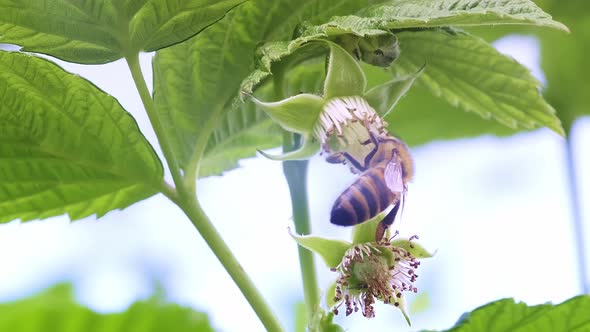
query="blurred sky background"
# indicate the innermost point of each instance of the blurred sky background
(496, 209)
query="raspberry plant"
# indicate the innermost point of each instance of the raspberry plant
(66, 147)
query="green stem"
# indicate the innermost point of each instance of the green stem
(184, 196)
(202, 223)
(296, 175)
(148, 103)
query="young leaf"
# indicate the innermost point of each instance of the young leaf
(197, 80)
(469, 73)
(506, 315)
(66, 146)
(101, 31)
(56, 310)
(441, 13)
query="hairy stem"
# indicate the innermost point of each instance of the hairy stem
(184, 196)
(296, 175)
(576, 213)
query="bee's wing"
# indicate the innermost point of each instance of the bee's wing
(393, 176)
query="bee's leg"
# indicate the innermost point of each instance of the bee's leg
(354, 162)
(372, 136)
(386, 222)
(365, 142)
(336, 159)
(372, 139)
(370, 155)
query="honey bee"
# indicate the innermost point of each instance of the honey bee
(386, 171)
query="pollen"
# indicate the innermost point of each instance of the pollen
(370, 272)
(343, 125)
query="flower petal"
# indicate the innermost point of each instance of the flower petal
(297, 114)
(309, 148)
(383, 97)
(331, 251)
(344, 76)
(412, 247)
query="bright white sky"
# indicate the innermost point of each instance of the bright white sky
(496, 209)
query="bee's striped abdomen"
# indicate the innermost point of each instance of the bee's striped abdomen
(363, 200)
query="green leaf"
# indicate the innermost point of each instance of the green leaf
(196, 81)
(55, 310)
(400, 14)
(66, 146)
(416, 123)
(281, 59)
(562, 58)
(412, 247)
(344, 76)
(241, 132)
(161, 23)
(469, 73)
(331, 251)
(420, 118)
(507, 315)
(385, 96)
(100, 31)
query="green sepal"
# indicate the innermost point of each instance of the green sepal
(331, 251)
(402, 308)
(413, 248)
(330, 294)
(344, 76)
(309, 148)
(296, 114)
(322, 321)
(385, 96)
(365, 232)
